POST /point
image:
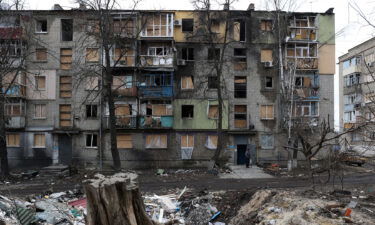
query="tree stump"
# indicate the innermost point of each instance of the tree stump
(115, 200)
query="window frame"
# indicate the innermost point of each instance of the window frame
(190, 25)
(17, 144)
(266, 112)
(182, 80)
(268, 147)
(92, 140)
(37, 88)
(35, 111)
(37, 146)
(36, 26)
(91, 106)
(182, 112)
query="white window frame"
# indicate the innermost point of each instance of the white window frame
(91, 145)
(36, 26)
(35, 111)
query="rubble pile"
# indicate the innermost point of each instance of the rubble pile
(57, 208)
(288, 207)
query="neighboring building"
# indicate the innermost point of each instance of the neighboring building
(165, 92)
(356, 80)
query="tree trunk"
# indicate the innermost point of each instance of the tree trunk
(115, 200)
(108, 79)
(3, 146)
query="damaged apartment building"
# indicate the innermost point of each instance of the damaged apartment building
(356, 80)
(164, 86)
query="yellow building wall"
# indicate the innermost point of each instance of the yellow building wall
(327, 59)
(180, 36)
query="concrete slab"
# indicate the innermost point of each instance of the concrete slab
(241, 172)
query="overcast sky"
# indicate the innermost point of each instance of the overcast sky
(350, 27)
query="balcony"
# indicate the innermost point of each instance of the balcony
(156, 122)
(126, 92)
(306, 93)
(16, 91)
(123, 122)
(156, 91)
(304, 63)
(156, 61)
(15, 122)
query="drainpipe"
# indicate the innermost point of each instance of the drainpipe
(101, 115)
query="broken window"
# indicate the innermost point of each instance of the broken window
(91, 111)
(266, 25)
(156, 141)
(91, 140)
(240, 87)
(266, 55)
(124, 141)
(187, 25)
(12, 48)
(239, 30)
(212, 82)
(266, 112)
(213, 111)
(306, 109)
(213, 54)
(240, 116)
(211, 142)
(122, 82)
(65, 86)
(41, 26)
(352, 79)
(67, 29)
(158, 51)
(65, 115)
(92, 83)
(187, 111)
(41, 54)
(123, 26)
(92, 55)
(40, 111)
(239, 59)
(158, 80)
(66, 58)
(187, 83)
(268, 82)
(215, 26)
(158, 25)
(267, 141)
(349, 116)
(39, 141)
(187, 54)
(14, 109)
(40, 83)
(13, 140)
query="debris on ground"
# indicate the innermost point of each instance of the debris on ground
(55, 208)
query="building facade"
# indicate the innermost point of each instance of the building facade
(165, 85)
(356, 79)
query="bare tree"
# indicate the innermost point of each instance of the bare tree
(114, 41)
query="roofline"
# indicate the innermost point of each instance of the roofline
(162, 10)
(356, 46)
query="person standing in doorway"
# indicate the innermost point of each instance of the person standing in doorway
(248, 156)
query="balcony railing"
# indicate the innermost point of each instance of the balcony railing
(15, 122)
(156, 91)
(128, 92)
(156, 122)
(123, 122)
(306, 93)
(304, 63)
(156, 61)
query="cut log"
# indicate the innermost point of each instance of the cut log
(115, 200)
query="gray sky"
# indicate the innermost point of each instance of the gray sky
(351, 28)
